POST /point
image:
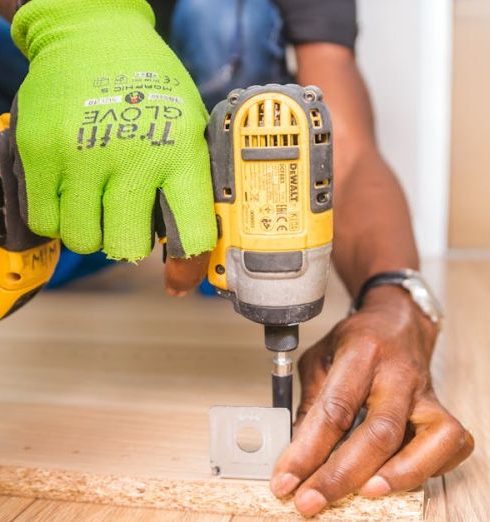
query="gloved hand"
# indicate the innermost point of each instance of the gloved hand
(106, 117)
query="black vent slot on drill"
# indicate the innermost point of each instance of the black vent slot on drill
(227, 122)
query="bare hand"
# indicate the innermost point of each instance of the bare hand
(379, 358)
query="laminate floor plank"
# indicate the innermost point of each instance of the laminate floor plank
(11, 507)
(435, 509)
(461, 371)
(52, 511)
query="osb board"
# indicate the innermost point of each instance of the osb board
(105, 391)
(237, 497)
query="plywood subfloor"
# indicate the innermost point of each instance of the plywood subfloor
(104, 396)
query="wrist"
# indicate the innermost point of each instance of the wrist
(392, 298)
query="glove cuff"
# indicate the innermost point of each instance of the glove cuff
(41, 22)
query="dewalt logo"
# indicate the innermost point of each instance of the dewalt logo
(293, 182)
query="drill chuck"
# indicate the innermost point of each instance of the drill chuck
(281, 338)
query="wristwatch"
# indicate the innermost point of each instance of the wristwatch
(411, 281)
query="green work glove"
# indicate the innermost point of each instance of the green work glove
(106, 117)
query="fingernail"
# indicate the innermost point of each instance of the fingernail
(375, 487)
(310, 502)
(284, 484)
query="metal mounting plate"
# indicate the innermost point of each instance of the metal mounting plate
(228, 458)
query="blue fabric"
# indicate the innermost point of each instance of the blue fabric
(227, 44)
(74, 266)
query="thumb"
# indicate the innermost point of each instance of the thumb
(181, 275)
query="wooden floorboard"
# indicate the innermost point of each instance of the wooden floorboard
(462, 379)
(105, 390)
(52, 511)
(435, 500)
(11, 507)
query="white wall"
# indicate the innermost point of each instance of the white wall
(404, 51)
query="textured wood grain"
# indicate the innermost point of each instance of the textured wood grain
(53, 511)
(104, 394)
(462, 379)
(11, 507)
(240, 497)
(435, 500)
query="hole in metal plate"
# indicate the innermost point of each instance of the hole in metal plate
(249, 439)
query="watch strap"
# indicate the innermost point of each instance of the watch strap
(395, 278)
